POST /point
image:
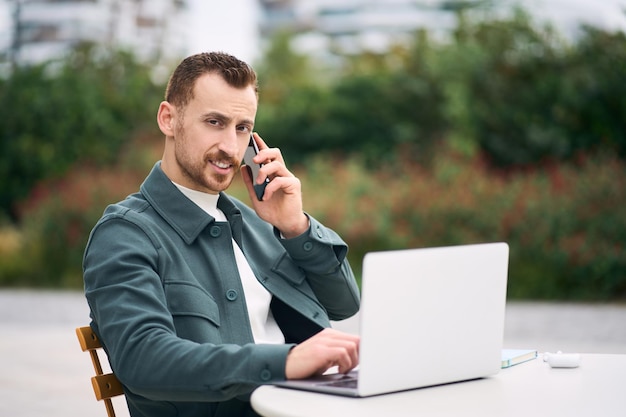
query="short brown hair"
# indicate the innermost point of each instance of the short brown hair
(235, 72)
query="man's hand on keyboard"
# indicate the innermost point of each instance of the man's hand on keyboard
(326, 349)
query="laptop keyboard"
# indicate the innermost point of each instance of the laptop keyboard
(342, 383)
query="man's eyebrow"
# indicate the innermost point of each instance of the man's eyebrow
(216, 115)
(226, 119)
(248, 122)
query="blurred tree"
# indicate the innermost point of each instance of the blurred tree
(593, 92)
(282, 70)
(509, 82)
(523, 95)
(287, 84)
(370, 105)
(83, 107)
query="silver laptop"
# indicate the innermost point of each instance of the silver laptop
(428, 317)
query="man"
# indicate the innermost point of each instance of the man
(197, 297)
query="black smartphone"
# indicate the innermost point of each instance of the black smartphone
(251, 152)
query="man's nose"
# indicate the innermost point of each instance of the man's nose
(228, 142)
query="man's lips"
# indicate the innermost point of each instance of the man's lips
(222, 166)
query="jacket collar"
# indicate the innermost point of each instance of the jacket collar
(182, 214)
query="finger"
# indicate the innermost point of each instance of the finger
(259, 141)
(352, 348)
(266, 154)
(286, 185)
(345, 346)
(317, 354)
(345, 360)
(246, 175)
(330, 357)
(262, 157)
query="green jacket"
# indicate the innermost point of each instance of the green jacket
(167, 302)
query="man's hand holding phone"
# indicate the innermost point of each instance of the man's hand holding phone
(274, 191)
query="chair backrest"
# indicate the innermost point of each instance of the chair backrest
(105, 386)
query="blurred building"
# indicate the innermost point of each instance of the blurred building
(44, 29)
(356, 25)
(161, 30)
(157, 30)
(352, 26)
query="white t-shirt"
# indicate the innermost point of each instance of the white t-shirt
(264, 327)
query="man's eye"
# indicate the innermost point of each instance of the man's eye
(245, 129)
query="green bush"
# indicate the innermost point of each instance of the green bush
(524, 95)
(372, 141)
(13, 263)
(565, 224)
(519, 93)
(372, 105)
(57, 219)
(82, 108)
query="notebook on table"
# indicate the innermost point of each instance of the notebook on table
(428, 317)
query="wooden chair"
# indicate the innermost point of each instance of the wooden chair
(105, 386)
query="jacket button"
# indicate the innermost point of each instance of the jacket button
(216, 231)
(266, 375)
(320, 234)
(307, 246)
(231, 295)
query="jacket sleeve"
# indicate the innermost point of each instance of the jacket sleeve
(321, 253)
(131, 316)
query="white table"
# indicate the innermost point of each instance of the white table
(596, 388)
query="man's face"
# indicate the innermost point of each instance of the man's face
(211, 136)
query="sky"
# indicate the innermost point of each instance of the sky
(227, 26)
(610, 14)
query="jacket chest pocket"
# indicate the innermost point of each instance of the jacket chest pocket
(195, 313)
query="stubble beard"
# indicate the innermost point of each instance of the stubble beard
(196, 170)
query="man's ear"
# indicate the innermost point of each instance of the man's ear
(165, 118)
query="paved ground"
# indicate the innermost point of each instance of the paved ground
(43, 372)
